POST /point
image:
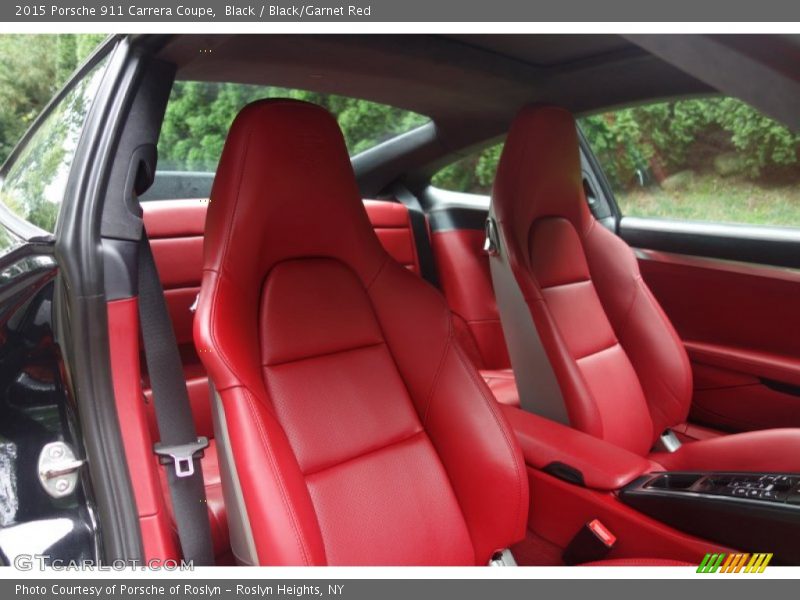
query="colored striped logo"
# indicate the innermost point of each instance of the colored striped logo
(735, 563)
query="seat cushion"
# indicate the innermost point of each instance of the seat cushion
(769, 450)
(691, 432)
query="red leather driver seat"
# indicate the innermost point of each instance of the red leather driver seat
(623, 372)
(352, 429)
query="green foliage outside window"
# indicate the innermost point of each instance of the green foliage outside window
(34, 185)
(473, 174)
(670, 136)
(199, 115)
(710, 159)
(33, 68)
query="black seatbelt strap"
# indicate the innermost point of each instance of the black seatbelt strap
(422, 240)
(179, 447)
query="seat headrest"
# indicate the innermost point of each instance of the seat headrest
(539, 173)
(285, 189)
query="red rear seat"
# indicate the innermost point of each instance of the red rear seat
(175, 229)
(466, 283)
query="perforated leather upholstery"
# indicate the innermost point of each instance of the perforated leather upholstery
(360, 432)
(623, 371)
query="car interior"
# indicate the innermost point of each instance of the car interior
(390, 373)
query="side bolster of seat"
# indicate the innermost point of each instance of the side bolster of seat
(267, 491)
(562, 290)
(277, 503)
(644, 331)
(465, 424)
(582, 409)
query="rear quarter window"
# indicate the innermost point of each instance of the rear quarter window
(199, 115)
(707, 159)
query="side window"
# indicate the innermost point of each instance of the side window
(35, 180)
(472, 174)
(712, 159)
(199, 115)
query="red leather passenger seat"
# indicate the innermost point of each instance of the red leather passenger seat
(356, 431)
(622, 369)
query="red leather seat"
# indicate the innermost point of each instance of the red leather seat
(176, 229)
(502, 384)
(623, 372)
(352, 429)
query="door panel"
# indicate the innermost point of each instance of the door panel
(741, 326)
(776, 246)
(709, 189)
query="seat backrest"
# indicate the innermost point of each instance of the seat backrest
(356, 430)
(623, 371)
(176, 229)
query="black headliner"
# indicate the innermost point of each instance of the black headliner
(478, 79)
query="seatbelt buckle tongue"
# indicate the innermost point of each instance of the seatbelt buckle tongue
(181, 455)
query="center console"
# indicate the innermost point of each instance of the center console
(580, 478)
(754, 512)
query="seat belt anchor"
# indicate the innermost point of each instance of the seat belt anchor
(491, 244)
(181, 455)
